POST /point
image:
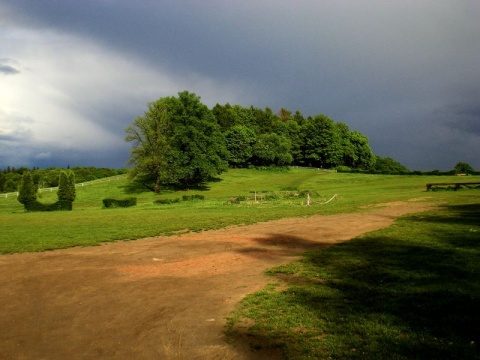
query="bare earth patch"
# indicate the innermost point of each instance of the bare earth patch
(157, 298)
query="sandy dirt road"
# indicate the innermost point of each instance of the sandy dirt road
(157, 298)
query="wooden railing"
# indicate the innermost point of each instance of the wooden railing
(455, 185)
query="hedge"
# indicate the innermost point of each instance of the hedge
(167, 201)
(113, 203)
(60, 205)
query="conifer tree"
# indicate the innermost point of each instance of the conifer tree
(27, 192)
(71, 185)
(66, 186)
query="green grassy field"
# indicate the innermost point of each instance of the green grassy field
(411, 291)
(90, 224)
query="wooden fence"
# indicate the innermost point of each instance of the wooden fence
(97, 181)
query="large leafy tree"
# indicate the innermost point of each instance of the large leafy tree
(290, 130)
(388, 165)
(239, 140)
(226, 116)
(464, 168)
(264, 120)
(355, 149)
(272, 149)
(150, 149)
(198, 146)
(177, 141)
(363, 155)
(349, 157)
(322, 146)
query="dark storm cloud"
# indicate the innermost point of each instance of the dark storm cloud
(381, 67)
(462, 117)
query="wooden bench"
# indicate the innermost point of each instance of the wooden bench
(456, 185)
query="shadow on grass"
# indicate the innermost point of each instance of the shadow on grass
(135, 187)
(411, 291)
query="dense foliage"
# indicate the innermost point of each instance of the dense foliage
(177, 141)
(464, 168)
(388, 166)
(180, 141)
(261, 137)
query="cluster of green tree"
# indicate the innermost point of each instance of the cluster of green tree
(180, 141)
(27, 193)
(44, 178)
(260, 137)
(381, 165)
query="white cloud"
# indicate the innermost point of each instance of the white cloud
(78, 95)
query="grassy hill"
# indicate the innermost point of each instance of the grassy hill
(90, 224)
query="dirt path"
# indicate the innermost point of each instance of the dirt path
(156, 298)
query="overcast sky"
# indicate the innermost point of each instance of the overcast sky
(74, 74)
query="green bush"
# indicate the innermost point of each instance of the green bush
(60, 205)
(114, 203)
(343, 169)
(167, 201)
(272, 196)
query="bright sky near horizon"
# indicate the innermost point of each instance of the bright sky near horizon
(74, 74)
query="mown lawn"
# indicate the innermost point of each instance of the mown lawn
(411, 291)
(90, 224)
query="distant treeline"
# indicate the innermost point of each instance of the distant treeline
(45, 178)
(260, 137)
(388, 166)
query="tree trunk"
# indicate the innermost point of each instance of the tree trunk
(157, 183)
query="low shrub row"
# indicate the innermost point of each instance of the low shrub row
(167, 201)
(176, 200)
(114, 203)
(60, 205)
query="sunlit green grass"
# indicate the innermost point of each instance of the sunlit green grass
(90, 224)
(411, 291)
